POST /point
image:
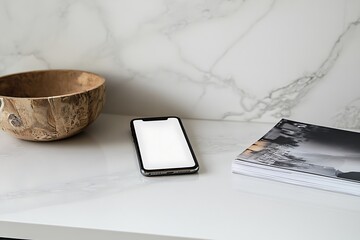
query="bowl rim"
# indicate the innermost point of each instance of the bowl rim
(55, 96)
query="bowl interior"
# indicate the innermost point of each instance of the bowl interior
(48, 83)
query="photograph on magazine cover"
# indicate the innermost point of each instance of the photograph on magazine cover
(308, 148)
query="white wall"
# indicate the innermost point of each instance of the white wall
(217, 59)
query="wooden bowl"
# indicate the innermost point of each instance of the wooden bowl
(51, 104)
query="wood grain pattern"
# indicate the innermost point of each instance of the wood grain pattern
(50, 105)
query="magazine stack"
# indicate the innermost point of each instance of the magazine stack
(305, 154)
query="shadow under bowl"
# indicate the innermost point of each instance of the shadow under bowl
(50, 104)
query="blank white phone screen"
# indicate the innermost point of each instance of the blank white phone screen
(162, 144)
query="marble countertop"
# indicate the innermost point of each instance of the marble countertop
(90, 186)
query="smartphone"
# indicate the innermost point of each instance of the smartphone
(162, 146)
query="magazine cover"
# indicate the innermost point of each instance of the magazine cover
(308, 148)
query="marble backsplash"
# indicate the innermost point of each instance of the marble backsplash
(210, 59)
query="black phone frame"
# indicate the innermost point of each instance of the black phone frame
(164, 171)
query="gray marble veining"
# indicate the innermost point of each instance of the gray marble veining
(214, 59)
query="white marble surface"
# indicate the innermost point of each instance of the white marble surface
(91, 184)
(212, 59)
